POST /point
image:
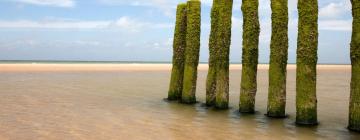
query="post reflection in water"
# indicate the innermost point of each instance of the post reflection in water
(129, 104)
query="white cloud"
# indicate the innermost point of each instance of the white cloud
(166, 6)
(24, 42)
(53, 24)
(334, 10)
(141, 2)
(123, 23)
(87, 43)
(335, 25)
(54, 3)
(163, 45)
(135, 25)
(127, 23)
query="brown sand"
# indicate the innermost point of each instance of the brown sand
(129, 67)
(124, 101)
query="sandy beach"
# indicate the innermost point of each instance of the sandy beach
(132, 67)
(125, 101)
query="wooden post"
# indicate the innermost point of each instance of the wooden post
(177, 74)
(278, 59)
(250, 52)
(191, 51)
(354, 114)
(220, 40)
(306, 102)
(213, 50)
(224, 42)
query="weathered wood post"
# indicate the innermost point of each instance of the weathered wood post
(179, 44)
(354, 114)
(191, 51)
(213, 50)
(278, 59)
(220, 40)
(306, 102)
(224, 42)
(251, 32)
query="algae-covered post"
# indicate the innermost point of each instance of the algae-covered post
(179, 44)
(354, 114)
(251, 31)
(306, 102)
(278, 59)
(191, 51)
(223, 40)
(213, 50)
(217, 87)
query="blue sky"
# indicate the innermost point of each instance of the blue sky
(142, 30)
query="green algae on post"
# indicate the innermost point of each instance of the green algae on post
(220, 39)
(251, 32)
(306, 101)
(278, 59)
(191, 51)
(211, 76)
(354, 111)
(177, 74)
(223, 42)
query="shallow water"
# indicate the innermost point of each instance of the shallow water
(130, 105)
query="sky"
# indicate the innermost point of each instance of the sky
(142, 30)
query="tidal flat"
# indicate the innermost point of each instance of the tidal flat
(125, 101)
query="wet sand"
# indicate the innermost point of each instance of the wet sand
(125, 101)
(130, 67)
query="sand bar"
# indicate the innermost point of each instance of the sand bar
(128, 67)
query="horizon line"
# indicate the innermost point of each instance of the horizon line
(127, 61)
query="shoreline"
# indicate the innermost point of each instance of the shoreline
(133, 67)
